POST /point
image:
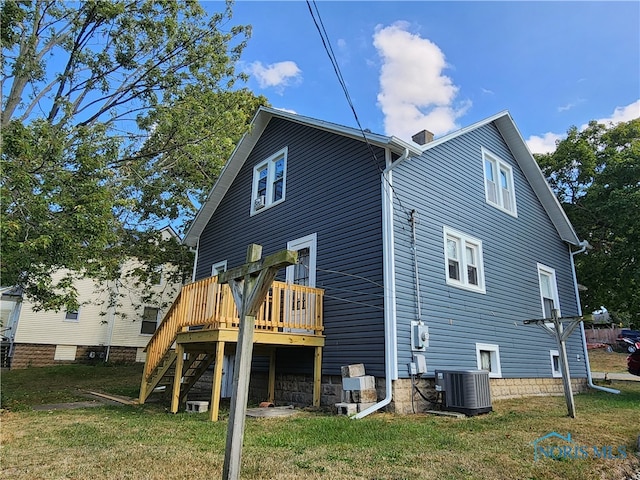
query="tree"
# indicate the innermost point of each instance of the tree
(117, 118)
(595, 174)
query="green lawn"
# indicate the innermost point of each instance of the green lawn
(144, 442)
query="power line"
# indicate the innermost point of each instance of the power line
(332, 58)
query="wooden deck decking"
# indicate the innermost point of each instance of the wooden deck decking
(202, 324)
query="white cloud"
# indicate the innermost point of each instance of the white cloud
(544, 144)
(414, 92)
(279, 75)
(621, 114)
(547, 142)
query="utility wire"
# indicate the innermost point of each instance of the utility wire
(332, 58)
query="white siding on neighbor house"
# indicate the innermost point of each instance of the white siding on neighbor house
(49, 327)
(97, 323)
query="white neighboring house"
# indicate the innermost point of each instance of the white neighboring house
(96, 331)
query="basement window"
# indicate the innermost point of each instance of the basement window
(555, 364)
(269, 182)
(488, 358)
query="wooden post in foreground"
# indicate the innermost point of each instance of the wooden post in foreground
(249, 284)
(561, 334)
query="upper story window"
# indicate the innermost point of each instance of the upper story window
(463, 261)
(498, 183)
(548, 290)
(269, 181)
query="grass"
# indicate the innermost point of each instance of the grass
(66, 383)
(603, 361)
(144, 442)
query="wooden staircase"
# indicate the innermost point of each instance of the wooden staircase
(291, 315)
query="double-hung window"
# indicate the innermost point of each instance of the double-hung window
(269, 181)
(498, 183)
(463, 261)
(149, 320)
(548, 290)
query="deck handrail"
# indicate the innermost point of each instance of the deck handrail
(288, 308)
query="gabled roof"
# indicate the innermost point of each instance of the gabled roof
(518, 147)
(248, 141)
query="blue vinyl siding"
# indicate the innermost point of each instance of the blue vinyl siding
(332, 189)
(446, 186)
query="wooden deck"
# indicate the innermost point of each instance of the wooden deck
(202, 324)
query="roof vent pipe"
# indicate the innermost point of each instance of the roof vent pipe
(423, 137)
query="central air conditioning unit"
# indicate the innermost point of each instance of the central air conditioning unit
(464, 391)
(259, 202)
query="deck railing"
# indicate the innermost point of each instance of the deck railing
(288, 308)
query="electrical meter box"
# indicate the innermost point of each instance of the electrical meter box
(419, 336)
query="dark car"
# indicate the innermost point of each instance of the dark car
(631, 334)
(627, 341)
(633, 363)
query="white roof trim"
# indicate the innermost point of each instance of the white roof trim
(248, 141)
(512, 137)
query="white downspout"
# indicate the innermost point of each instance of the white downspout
(584, 245)
(195, 260)
(388, 265)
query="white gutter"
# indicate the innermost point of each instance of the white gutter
(388, 265)
(584, 245)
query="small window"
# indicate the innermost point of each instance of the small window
(555, 364)
(488, 358)
(72, 316)
(218, 268)
(548, 291)
(464, 264)
(269, 182)
(149, 320)
(498, 183)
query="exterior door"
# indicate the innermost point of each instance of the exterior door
(300, 305)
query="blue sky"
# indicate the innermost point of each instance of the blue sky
(445, 65)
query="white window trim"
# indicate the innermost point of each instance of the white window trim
(463, 283)
(269, 195)
(500, 165)
(495, 358)
(556, 373)
(554, 284)
(217, 267)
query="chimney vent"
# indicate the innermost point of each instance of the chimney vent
(423, 137)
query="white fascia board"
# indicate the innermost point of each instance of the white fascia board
(536, 179)
(249, 140)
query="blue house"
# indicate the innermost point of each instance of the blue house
(433, 250)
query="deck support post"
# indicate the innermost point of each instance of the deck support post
(217, 382)
(177, 381)
(317, 376)
(272, 376)
(249, 284)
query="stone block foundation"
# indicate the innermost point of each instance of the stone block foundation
(27, 355)
(298, 390)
